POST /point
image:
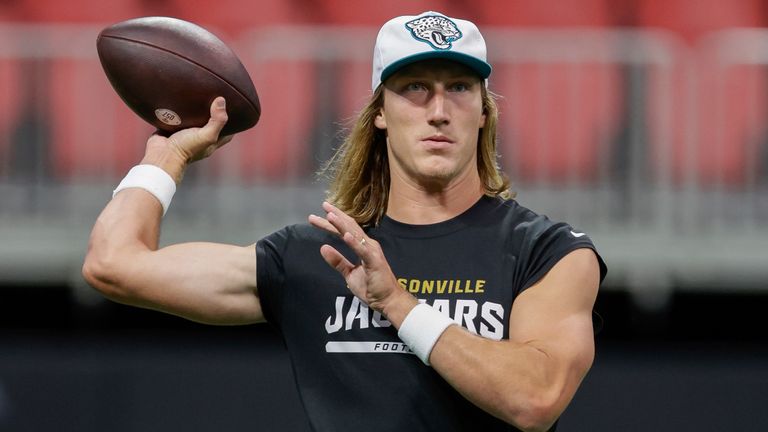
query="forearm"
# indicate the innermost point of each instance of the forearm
(525, 384)
(128, 226)
(516, 382)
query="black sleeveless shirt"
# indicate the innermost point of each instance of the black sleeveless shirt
(352, 371)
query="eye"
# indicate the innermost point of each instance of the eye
(415, 87)
(460, 87)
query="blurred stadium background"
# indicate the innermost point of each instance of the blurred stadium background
(642, 122)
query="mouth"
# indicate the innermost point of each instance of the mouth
(437, 141)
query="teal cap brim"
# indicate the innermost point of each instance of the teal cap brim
(482, 68)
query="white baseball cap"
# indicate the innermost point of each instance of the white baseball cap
(411, 38)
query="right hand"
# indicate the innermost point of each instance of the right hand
(174, 153)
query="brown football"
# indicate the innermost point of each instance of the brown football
(168, 71)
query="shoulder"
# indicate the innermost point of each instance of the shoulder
(522, 221)
(296, 234)
(531, 233)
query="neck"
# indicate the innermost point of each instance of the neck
(419, 204)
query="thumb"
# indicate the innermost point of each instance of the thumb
(218, 119)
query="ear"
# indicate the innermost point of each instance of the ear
(482, 121)
(380, 121)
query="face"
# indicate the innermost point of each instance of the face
(432, 114)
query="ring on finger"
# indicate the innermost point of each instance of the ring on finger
(362, 241)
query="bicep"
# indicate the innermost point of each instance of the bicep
(205, 282)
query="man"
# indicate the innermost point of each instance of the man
(419, 235)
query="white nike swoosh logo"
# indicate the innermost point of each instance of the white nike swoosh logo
(577, 235)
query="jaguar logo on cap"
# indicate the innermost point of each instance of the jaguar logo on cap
(407, 39)
(438, 31)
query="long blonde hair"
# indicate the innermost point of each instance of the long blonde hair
(358, 172)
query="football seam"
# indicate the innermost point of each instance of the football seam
(258, 111)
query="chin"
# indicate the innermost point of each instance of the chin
(437, 175)
(438, 167)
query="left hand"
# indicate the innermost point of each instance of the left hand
(372, 281)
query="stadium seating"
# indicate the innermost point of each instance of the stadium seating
(374, 14)
(544, 13)
(84, 11)
(558, 119)
(716, 135)
(230, 18)
(94, 135)
(10, 76)
(9, 88)
(693, 19)
(88, 132)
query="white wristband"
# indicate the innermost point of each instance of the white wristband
(153, 179)
(421, 329)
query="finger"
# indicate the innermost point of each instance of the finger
(336, 260)
(218, 119)
(323, 224)
(337, 223)
(330, 208)
(360, 247)
(342, 221)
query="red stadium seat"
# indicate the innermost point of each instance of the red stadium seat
(10, 104)
(231, 18)
(692, 19)
(24, 145)
(558, 118)
(56, 96)
(544, 13)
(81, 11)
(10, 11)
(94, 135)
(11, 86)
(728, 104)
(278, 146)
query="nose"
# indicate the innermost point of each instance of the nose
(437, 113)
